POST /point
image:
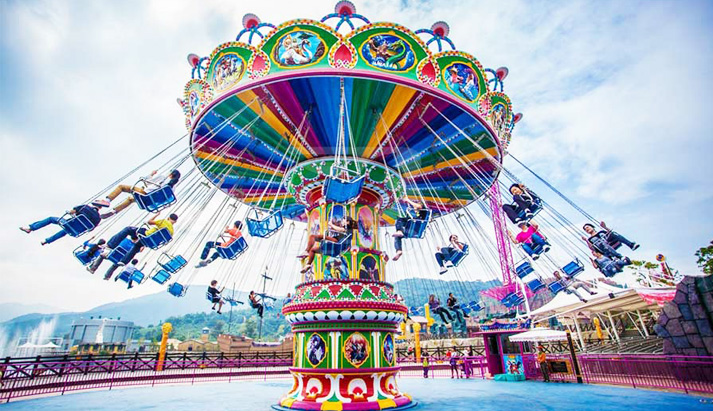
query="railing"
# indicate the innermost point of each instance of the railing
(39, 377)
(29, 379)
(22, 379)
(681, 373)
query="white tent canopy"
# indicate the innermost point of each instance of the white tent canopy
(539, 335)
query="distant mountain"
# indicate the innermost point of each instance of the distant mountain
(9, 311)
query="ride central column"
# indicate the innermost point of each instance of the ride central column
(344, 315)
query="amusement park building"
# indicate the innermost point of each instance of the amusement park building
(97, 334)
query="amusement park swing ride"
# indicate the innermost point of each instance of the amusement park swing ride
(348, 127)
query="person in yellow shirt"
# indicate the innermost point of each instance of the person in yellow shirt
(159, 224)
(542, 361)
(425, 366)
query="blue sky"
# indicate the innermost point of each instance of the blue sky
(614, 96)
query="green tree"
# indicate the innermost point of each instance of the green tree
(705, 259)
(250, 327)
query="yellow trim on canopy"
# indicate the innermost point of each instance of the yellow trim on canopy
(454, 162)
(267, 197)
(215, 158)
(398, 100)
(249, 97)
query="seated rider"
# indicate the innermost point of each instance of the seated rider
(400, 226)
(452, 303)
(607, 265)
(288, 299)
(215, 296)
(157, 181)
(445, 254)
(233, 234)
(434, 304)
(143, 231)
(571, 285)
(129, 270)
(602, 241)
(89, 211)
(91, 251)
(530, 238)
(524, 200)
(255, 303)
(336, 231)
(126, 243)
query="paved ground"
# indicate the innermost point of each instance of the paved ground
(432, 395)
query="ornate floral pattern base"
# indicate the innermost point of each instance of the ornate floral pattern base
(344, 355)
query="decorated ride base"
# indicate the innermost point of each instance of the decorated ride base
(344, 356)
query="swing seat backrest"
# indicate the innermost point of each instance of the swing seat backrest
(76, 225)
(508, 299)
(523, 269)
(124, 276)
(265, 227)
(234, 250)
(333, 249)
(475, 305)
(555, 286)
(416, 227)
(177, 290)
(81, 254)
(172, 263)
(161, 275)
(573, 268)
(155, 200)
(209, 296)
(416, 310)
(157, 239)
(459, 255)
(535, 285)
(117, 255)
(336, 190)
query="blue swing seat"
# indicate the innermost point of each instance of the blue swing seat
(117, 255)
(523, 269)
(137, 277)
(513, 300)
(535, 285)
(416, 310)
(155, 200)
(337, 190)
(573, 268)
(177, 290)
(333, 249)
(416, 227)
(459, 255)
(265, 227)
(475, 305)
(161, 276)
(76, 225)
(157, 239)
(556, 286)
(171, 263)
(234, 250)
(81, 254)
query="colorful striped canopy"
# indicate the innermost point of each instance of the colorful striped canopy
(247, 139)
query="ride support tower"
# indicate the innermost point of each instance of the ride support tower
(283, 111)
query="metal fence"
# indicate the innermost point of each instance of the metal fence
(38, 377)
(681, 373)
